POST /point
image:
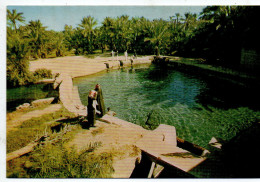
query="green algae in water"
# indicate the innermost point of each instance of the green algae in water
(175, 98)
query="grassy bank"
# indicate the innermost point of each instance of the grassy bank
(29, 130)
(52, 159)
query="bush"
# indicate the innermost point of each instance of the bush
(15, 79)
(42, 73)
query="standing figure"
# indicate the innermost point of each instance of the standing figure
(121, 64)
(100, 101)
(113, 54)
(92, 107)
(107, 65)
(126, 55)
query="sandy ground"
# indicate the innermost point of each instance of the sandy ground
(77, 66)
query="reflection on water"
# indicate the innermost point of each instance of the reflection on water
(134, 92)
(26, 94)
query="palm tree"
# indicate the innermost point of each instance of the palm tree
(158, 34)
(68, 36)
(36, 32)
(13, 17)
(87, 29)
(125, 32)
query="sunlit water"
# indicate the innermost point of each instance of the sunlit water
(176, 98)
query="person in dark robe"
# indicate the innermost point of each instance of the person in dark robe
(92, 108)
(100, 101)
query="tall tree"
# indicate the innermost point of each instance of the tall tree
(87, 29)
(14, 17)
(158, 34)
(36, 33)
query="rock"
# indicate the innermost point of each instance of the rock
(111, 113)
(41, 102)
(23, 107)
(28, 164)
(57, 81)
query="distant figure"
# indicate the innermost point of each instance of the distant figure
(121, 63)
(107, 65)
(113, 54)
(92, 108)
(131, 61)
(135, 55)
(126, 55)
(100, 101)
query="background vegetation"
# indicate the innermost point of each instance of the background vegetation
(217, 34)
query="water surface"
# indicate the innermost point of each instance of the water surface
(26, 94)
(175, 98)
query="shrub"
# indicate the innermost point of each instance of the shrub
(15, 79)
(42, 73)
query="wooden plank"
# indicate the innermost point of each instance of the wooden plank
(157, 171)
(198, 150)
(151, 170)
(182, 163)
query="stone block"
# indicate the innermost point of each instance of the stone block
(23, 107)
(168, 132)
(41, 102)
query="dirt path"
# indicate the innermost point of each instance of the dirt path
(21, 117)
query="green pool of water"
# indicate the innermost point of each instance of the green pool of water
(199, 108)
(26, 94)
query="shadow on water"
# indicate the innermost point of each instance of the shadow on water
(237, 159)
(181, 87)
(27, 94)
(224, 94)
(165, 85)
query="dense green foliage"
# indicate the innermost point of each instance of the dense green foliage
(217, 34)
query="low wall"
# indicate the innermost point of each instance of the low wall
(69, 95)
